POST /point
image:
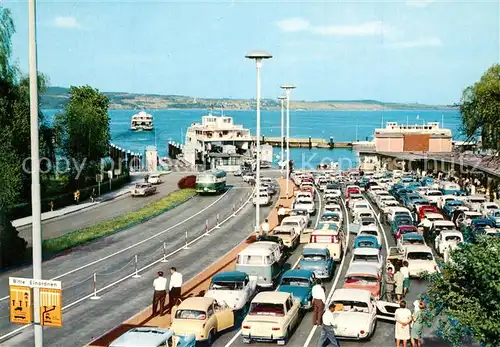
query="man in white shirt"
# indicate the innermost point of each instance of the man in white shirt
(160, 293)
(327, 333)
(175, 287)
(281, 213)
(318, 302)
(265, 228)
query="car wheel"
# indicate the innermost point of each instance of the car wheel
(211, 338)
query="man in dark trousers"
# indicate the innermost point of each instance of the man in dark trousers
(160, 293)
(319, 298)
(327, 332)
(174, 286)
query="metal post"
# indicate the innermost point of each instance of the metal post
(164, 260)
(282, 133)
(95, 297)
(136, 275)
(35, 173)
(257, 171)
(217, 218)
(99, 188)
(206, 228)
(287, 140)
(234, 210)
(186, 241)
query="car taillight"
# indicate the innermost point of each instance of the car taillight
(435, 267)
(361, 332)
(275, 329)
(298, 267)
(246, 327)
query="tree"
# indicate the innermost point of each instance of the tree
(480, 107)
(465, 297)
(12, 247)
(83, 129)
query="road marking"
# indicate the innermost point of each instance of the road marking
(381, 227)
(337, 277)
(14, 332)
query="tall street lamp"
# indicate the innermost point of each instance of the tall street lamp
(258, 56)
(282, 99)
(36, 211)
(287, 88)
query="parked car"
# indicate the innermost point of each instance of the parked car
(232, 288)
(366, 241)
(153, 337)
(356, 313)
(318, 260)
(297, 222)
(452, 205)
(288, 235)
(398, 222)
(494, 216)
(203, 317)
(410, 239)
(475, 202)
(305, 204)
(299, 283)
(487, 207)
(405, 229)
(448, 239)
(370, 230)
(364, 276)
(143, 189)
(419, 257)
(272, 317)
(367, 256)
(262, 198)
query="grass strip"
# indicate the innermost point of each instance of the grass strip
(108, 227)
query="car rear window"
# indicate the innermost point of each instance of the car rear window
(420, 256)
(190, 314)
(296, 282)
(266, 309)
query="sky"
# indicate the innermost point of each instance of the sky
(424, 51)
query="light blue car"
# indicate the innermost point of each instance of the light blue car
(494, 216)
(152, 337)
(318, 260)
(299, 283)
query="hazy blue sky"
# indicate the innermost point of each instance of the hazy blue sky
(414, 51)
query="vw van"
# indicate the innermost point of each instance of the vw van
(262, 262)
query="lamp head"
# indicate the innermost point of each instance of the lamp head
(258, 55)
(287, 86)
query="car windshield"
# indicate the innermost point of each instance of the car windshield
(315, 257)
(434, 193)
(453, 238)
(495, 213)
(283, 232)
(227, 285)
(361, 206)
(372, 258)
(350, 306)
(369, 232)
(420, 256)
(413, 242)
(476, 201)
(190, 314)
(366, 244)
(333, 218)
(294, 281)
(293, 224)
(401, 213)
(266, 309)
(361, 279)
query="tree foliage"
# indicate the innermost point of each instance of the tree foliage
(83, 128)
(465, 297)
(480, 109)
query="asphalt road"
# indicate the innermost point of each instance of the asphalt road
(102, 211)
(90, 318)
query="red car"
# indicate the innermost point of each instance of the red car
(405, 229)
(426, 208)
(352, 191)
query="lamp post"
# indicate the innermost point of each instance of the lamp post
(35, 173)
(282, 99)
(258, 56)
(287, 88)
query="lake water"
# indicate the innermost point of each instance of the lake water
(171, 125)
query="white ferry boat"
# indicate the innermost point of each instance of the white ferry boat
(217, 142)
(141, 121)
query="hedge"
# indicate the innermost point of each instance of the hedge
(108, 227)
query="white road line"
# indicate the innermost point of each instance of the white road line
(136, 244)
(381, 227)
(14, 332)
(334, 284)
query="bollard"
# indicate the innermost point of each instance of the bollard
(164, 260)
(95, 297)
(206, 228)
(217, 219)
(136, 275)
(186, 241)
(234, 210)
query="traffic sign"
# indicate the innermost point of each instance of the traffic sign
(51, 307)
(20, 304)
(32, 283)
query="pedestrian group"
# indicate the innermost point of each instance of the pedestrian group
(160, 291)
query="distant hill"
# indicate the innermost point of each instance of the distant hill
(57, 97)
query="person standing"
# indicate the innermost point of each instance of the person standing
(399, 278)
(160, 293)
(265, 227)
(327, 332)
(389, 285)
(418, 325)
(174, 286)
(318, 302)
(402, 328)
(406, 273)
(281, 214)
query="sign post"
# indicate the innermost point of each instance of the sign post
(20, 290)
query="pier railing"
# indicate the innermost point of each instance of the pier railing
(306, 142)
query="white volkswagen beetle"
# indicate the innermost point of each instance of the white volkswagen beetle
(356, 313)
(232, 288)
(448, 239)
